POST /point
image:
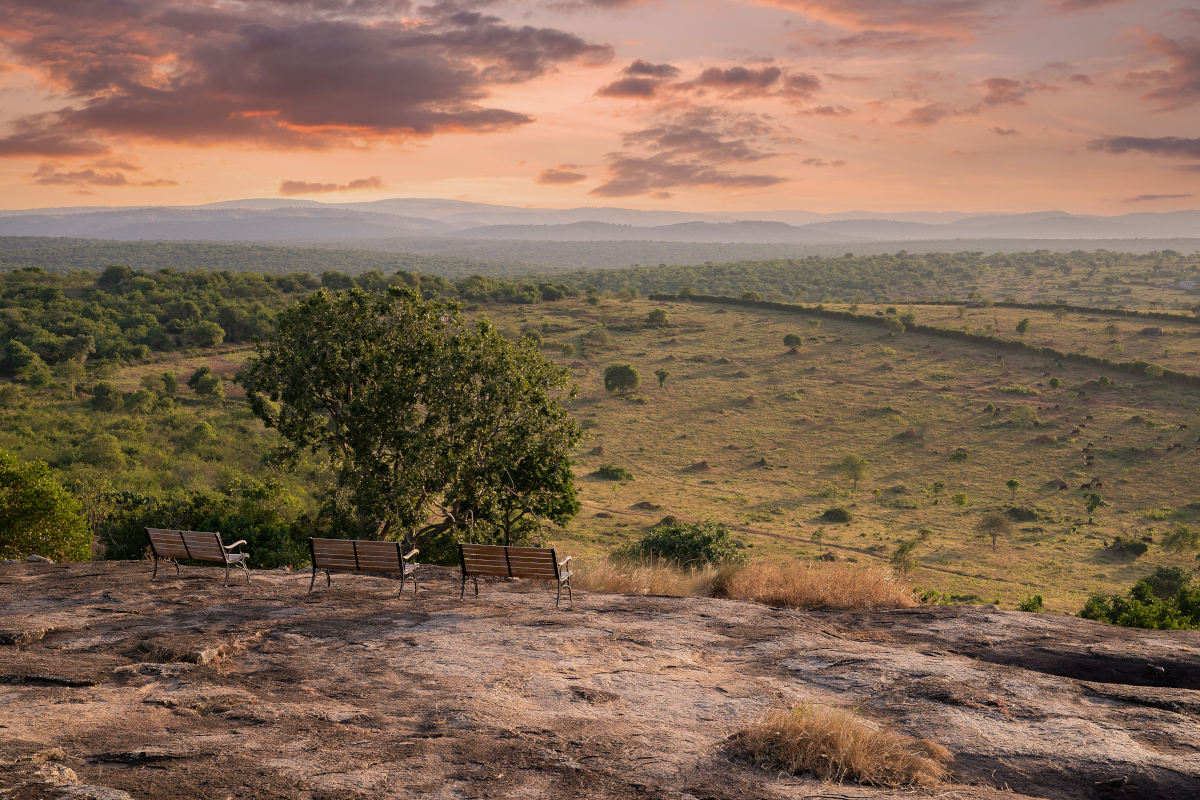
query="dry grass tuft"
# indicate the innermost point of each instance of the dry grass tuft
(811, 585)
(837, 745)
(796, 585)
(646, 577)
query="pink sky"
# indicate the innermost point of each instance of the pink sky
(1089, 106)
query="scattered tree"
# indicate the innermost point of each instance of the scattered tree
(1092, 501)
(621, 378)
(792, 340)
(994, 525)
(1023, 326)
(657, 318)
(662, 376)
(854, 467)
(1013, 484)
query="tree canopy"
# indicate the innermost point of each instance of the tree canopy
(429, 426)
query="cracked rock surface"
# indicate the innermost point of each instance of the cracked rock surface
(115, 687)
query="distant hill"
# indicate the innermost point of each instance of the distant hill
(307, 221)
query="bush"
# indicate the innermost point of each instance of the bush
(835, 745)
(107, 397)
(621, 378)
(252, 511)
(959, 455)
(657, 318)
(1032, 603)
(792, 340)
(38, 516)
(1142, 607)
(1181, 538)
(837, 514)
(613, 473)
(690, 544)
(1129, 548)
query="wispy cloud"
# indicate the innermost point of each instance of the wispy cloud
(562, 174)
(1147, 198)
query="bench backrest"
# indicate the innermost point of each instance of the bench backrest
(509, 562)
(198, 545)
(356, 555)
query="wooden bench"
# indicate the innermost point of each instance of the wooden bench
(498, 560)
(358, 555)
(172, 545)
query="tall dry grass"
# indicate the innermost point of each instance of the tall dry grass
(795, 585)
(817, 585)
(836, 745)
(656, 576)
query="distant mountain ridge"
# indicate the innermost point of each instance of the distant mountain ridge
(300, 221)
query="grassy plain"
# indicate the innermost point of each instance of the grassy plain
(745, 432)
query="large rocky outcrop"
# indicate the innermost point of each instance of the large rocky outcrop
(112, 686)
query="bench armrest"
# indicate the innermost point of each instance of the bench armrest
(411, 553)
(235, 544)
(564, 562)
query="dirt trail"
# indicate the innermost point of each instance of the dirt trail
(114, 687)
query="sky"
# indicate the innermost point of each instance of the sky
(1088, 106)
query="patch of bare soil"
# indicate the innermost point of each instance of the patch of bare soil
(114, 687)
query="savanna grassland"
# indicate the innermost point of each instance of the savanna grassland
(746, 432)
(123, 382)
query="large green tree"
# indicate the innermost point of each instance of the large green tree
(430, 425)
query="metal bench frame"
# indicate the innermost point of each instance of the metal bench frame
(526, 557)
(404, 563)
(197, 546)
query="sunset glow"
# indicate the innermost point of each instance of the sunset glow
(1089, 106)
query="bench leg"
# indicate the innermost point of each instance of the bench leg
(463, 592)
(476, 582)
(226, 573)
(177, 570)
(246, 570)
(313, 582)
(155, 575)
(558, 596)
(328, 580)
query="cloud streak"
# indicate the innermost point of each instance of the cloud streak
(289, 188)
(1165, 146)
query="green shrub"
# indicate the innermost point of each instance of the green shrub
(1032, 603)
(1130, 548)
(690, 544)
(959, 455)
(837, 514)
(246, 510)
(1181, 538)
(1151, 603)
(38, 516)
(107, 397)
(621, 378)
(1056, 383)
(613, 473)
